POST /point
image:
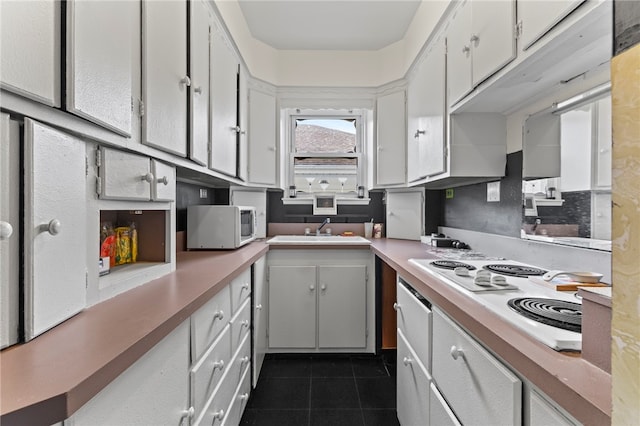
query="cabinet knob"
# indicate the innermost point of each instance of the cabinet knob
(164, 180)
(243, 397)
(245, 286)
(53, 227)
(466, 49)
(218, 315)
(396, 306)
(188, 413)
(418, 133)
(186, 81)
(407, 361)
(323, 287)
(244, 360)
(218, 365)
(235, 129)
(197, 90)
(312, 287)
(147, 177)
(456, 352)
(244, 323)
(219, 415)
(474, 39)
(272, 148)
(258, 307)
(6, 230)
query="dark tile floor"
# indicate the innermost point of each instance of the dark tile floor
(331, 390)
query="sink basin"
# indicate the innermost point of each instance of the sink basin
(318, 240)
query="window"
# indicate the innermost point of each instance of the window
(326, 153)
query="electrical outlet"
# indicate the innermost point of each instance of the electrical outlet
(493, 192)
(448, 193)
(203, 192)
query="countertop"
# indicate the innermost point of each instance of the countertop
(48, 379)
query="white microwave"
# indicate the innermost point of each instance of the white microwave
(220, 227)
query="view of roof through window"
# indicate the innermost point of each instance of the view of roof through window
(331, 135)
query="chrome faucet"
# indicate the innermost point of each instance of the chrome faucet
(326, 221)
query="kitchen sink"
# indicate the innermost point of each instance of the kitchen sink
(318, 240)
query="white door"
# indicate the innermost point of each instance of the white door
(243, 117)
(262, 153)
(415, 136)
(493, 41)
(433, 117)
(30, 45)
(163, 187)
(405, 215)
(412, 386)
(439, 411)
(99, 68)
(199, 74)
(260, 309)
(536, 20)
(391, 136)
(55, 250)
(9, 230)
(253, 198)
(342, 307)
(459, 55)
(164, 75)
(124, 176)
(224, 84)
(292, 306)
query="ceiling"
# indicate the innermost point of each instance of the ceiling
(328, 24)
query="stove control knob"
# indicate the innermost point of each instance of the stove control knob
(456, 352)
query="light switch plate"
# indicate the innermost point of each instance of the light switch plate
(203, 192)
(493, 192)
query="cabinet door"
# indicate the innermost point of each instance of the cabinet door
(459, 55)
(292, 306)
(418, 86)
(262, 153)
(124, 176)
(412, 385)
(30, 44)
(541, 146)
(493, 41)
(99, 67)
(153, 391)
(342, 315)
(224, 86)
(164, 75)
(405, 215)
(414, 322)
(536, 20)
(55, 251)
(432, 153)
(242, 107)
(199, 73)
(9, 230)
(542, 412)
(390, 152)
(260, 309)
(440, 413)
(163, 187)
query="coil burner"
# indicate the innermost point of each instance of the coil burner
(514, 270)
(451, 264)
(553, 312)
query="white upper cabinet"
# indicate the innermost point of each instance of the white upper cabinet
(199, 73)
(262, 153)
(224, 113)
(30, 44)
(480, 41)
(55, 224)
(242, 107)
(426, 136)
(390, 142)
(164, 75)
(534, 21)
(541, 146)
(99, 67)
(405, 214)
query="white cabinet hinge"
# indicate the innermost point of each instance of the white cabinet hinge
(140, 108)
(366, 274)
(98, 158)
(86, 279)
(518, 29)
(86, 166)
(98, 185)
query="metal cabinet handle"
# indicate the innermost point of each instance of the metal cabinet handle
(218, 365)
(466, 49)
(258, 307)
(197, 90)
(186, 81)
(147, 177)
(474, 39)
(6, 230)
(53, 227)
(407, 361)
(245, 286)
(164, 180)
(396, 307)
(323, 287)
(218, 315)
(244, 323)
(235, 129)
(456, 352)
(218, 414)
(272, 148)
(243, 397)
(244, 360)
(312, 287)
(418, 133)
(188, 413)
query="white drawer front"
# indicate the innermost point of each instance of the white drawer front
(240, 289)
(439, 412)
(208, 321)
(414, 320)
(240, 325)
(163, 187)
(219, 403)
(476, 384)
(239, 401)
(125, 176)
(413, 386)
(208, 372)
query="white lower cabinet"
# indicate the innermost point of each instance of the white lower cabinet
(239, 401)
(412, 386)
(475, 384)
(153, 391)
(208, 321)
(260, 303)
(543, 412)
(440, 413)
(414, 322)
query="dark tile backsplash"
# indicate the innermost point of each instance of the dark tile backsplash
(188, 194)
(626, 26)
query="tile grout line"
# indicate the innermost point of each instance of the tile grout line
(355, 382)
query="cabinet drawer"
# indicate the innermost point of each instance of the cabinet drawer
(240, 289)
(476, 384)
(208, 321)
(163, 187)
(240, 325)
(239, 401)
(218, 404)
(414, 320)
(124, 176)
(208, 372)
(439, 412)
(412, 386)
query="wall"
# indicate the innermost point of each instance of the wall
(189, 194)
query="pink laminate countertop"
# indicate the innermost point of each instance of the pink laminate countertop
(581, 388)
(47, 379)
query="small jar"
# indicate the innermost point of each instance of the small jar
(360, 191)
(292, 191)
